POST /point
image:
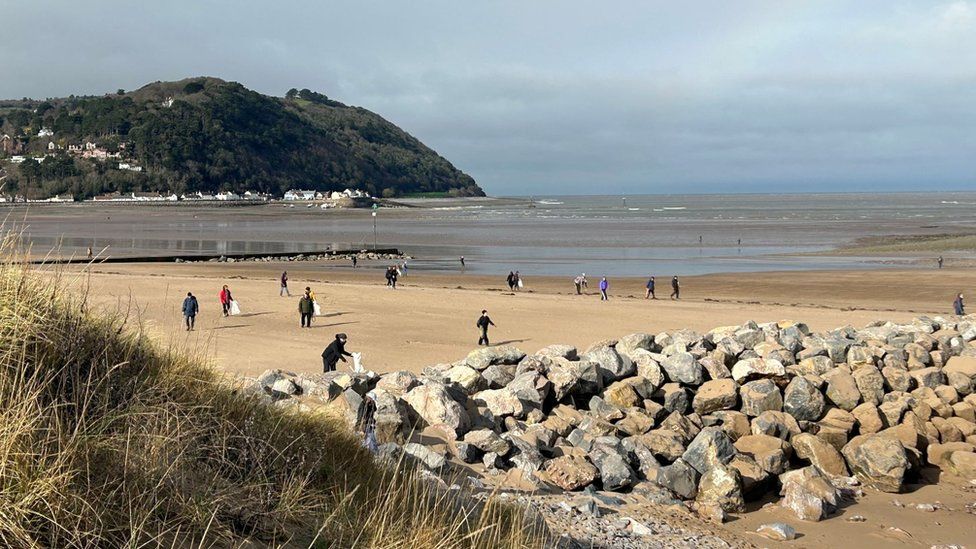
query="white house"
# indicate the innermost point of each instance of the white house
(17, 159)
(130, 167)
(45, 132)
(61, 198)
(300, 195)
(228, 195)
(51, 146)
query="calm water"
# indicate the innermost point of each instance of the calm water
(559, 236)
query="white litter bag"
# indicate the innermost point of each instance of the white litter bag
(520, 283)
(357, 362)
(316, 309)
(234, 308)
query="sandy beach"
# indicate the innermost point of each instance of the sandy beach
(429, 318)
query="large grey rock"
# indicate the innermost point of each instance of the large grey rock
(467, 378)
(648, 368)
(482, 358)
(501, 402)
(428, 457)
(615, 472)
(612, 365)
(842, 390)
(870, 383)
(722, 486)
(487, 440)
(683, 368)
(676, 398)
(760, 396)
(498, 376)
(567, 352)
(877, 461)
(435, 406)
(680, 478)
(630, 343)
(530, 387)
(564, 376)
(398, 383)
(777, 424)
(524, 455)
(808, 494)
(709, 448)
(803, 400)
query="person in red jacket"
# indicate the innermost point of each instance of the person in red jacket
(225, 299)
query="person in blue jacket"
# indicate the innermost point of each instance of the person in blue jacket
(649, 294)
(958, 306)
(604, 286)
(190, 310)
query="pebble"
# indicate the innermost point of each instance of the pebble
(857, 518)
(777, 531)
(926, 507)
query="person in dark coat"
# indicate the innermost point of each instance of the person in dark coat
(510, 279)
(284, 285)
(483, 322)
(958, 306)
(649, 294)
(306, 307)
(190, 310)
(675, 288)
(335, 352)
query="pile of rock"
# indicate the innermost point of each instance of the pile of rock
(362, 256)
(719, 418)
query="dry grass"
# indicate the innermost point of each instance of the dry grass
(107, 440)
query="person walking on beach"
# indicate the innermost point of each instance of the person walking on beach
(284, 285)
(190, 310)
(225, 299)
(335, 352)
(518, 281)
(578, 281)
(403, 269)
(391, 277)
(675, 288)
(483, 322)
(650, 289)
(958, 306)
(940, 260)
(355, 260)
(89, 252)
(462, 262)
(306, 306)
(604, 286)
(510, 279)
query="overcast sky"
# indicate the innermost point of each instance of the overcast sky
(565, 96)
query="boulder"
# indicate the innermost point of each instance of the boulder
(683, 368)
(759, 396)
(398, 383)
(487, 440)
(564, 377)
(482, 358)
(814, 365)
(680, 478)
(567, 352)
(425, 455)
(808, 494)
(842, 390)
(630, 343)
(435, 406)
(615, 472)
(877, 461)
(777, 531)
(524, 455)
(821, 454)
(709, 448)
(648, 367)
(897, 379)
(676, 398)
(771, 454)
(714, 395)
(571, 472)
(870, 383)
(664, 444)
(611, 365)
(803, 400)
(930, 377)
(721, 486)
(777, 424)
(622, 395)
(498, 376)
(755, 368)
(939, 453)
(530, 387)
(467, 378)
(962, 464)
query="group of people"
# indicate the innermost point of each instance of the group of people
(514, 281)
(392, 274)
(649, 293)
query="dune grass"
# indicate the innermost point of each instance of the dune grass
(108, 440)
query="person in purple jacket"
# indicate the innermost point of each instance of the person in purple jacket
(604, 286)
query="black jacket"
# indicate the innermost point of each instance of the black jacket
(483, 322)
(335, 352)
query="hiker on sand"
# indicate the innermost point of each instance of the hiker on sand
(675, 288)
(335, 352)
(604, 286)
(941, 261)
(306, 307)
(650, 289)
(190, 310)
(355, 260)
(510, 279)
(483, 322)
(578, 282)
(958, 306)
(391, 276)
(284, 285)
(225, 299)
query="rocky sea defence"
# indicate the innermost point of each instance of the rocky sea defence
(704, 421)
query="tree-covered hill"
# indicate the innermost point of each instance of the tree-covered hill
(204, 134)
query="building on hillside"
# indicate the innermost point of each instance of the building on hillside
(128, 166)
(89, 146)
(45, 132)
(198, 196)
(74, 148)
(51, 146)
(295, 194)
(17, 159)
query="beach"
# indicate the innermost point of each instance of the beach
(430, 318)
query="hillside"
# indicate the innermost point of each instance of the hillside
(205, 134)
(107, 440)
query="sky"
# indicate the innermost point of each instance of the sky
(569, 97)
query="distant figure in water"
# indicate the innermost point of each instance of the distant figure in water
(462, 262)
(700, 240)
(675, 288)
(190, 310)
(510, 280)
(940, 260)
(483, 322)
(959, 306)
(604, 286)
(284, 285)
(650, 289)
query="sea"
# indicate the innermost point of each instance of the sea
(633, 235)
